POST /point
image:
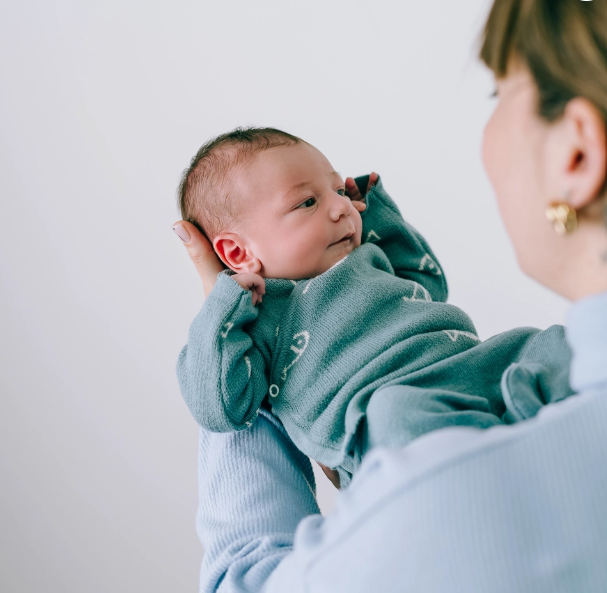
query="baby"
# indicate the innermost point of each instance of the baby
(332, 312)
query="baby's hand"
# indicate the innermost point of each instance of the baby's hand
(252, 282)
(354, 194)
(331, 474)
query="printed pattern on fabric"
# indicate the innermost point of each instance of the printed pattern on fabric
(318, 349)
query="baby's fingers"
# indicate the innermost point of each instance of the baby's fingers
(256, 296)
(352, 190)
(372, 181)
(258, 285)
(258, 291)
(253, 282)
(331, 474)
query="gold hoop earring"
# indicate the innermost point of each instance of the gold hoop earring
(563, 217)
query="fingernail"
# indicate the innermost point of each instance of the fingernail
(182, 233)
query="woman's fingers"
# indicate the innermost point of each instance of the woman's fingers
(201, 252)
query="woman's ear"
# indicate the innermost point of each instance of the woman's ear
(233, 252)
(586, 159)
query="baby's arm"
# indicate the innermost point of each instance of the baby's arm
(408, 252)
(221, 373)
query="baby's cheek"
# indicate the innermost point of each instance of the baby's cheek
(358, 224)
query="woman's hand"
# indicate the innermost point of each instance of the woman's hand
(201, 252)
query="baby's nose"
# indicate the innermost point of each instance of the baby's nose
(341, 206)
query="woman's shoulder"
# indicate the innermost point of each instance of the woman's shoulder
(587, 335)
(456, 486)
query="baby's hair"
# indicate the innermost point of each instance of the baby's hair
(204, 194)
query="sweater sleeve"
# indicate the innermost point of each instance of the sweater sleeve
(408, 252)
(221, 373)
(255, 487)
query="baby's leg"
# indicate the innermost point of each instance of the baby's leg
(461, 390)
(397, 414)
(539, 377)
(505, 379)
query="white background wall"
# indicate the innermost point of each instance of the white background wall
(101, 107)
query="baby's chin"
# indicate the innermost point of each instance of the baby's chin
(333, 255)
(341, 253)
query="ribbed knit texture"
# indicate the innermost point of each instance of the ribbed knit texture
(320, 348)
(241, 531)
(587, 329)
(516, 508)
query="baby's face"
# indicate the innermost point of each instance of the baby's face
(297, 222)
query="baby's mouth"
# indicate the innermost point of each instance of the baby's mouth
(343, 239)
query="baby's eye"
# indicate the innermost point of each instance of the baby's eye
(341, 191)
(307, 203)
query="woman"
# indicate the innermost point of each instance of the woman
(513, 508)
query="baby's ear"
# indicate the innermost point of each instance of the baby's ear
(233, 253)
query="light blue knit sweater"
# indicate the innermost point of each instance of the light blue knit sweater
(326, 350)
(517, 508)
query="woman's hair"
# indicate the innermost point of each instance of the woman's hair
(205, 196)
(562, 42)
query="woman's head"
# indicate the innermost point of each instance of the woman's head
(545, 142)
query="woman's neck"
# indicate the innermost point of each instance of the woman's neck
(585, 271)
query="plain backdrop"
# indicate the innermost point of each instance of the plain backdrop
(101, 107)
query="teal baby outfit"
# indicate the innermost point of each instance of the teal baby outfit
(325, 354)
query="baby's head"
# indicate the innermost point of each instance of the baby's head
(270, 203)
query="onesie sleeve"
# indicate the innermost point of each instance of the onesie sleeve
(221, 373)
(408, 252)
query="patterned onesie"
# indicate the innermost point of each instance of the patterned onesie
(325, 353)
